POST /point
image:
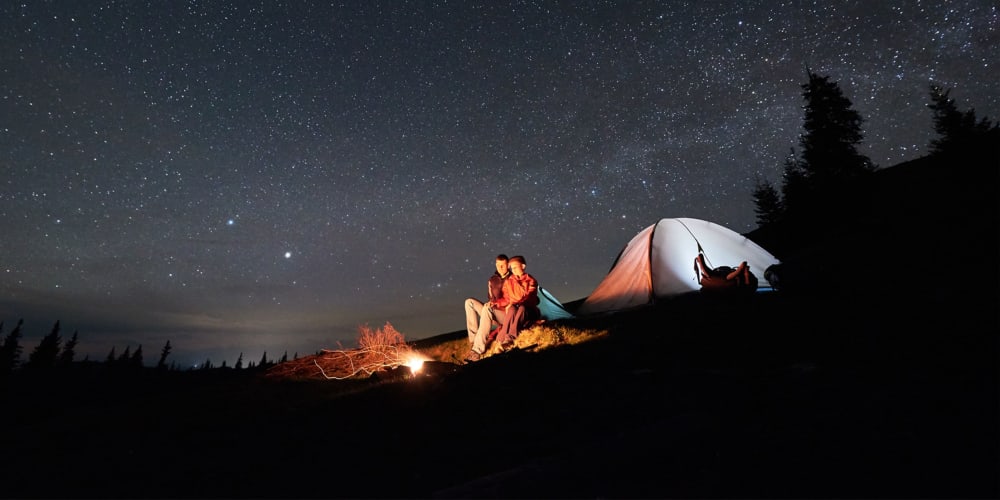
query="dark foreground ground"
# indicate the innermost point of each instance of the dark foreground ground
(775, 396)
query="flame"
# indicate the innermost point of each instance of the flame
(415, 361)
(379, 349)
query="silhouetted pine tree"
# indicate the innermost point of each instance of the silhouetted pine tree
(794, 186)
(832, 134)
(830, 165)
(263, 361)
(284, 357)
(111, 357)
(135, 360)
(959, 133)
(162, 363)
(45, 354)
(767, 203)
(125, 356)
(239, 362)
(830, 169)
(10, 351)
(69, 350)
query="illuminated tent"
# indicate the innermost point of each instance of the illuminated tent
(659, 262)
(550, 307)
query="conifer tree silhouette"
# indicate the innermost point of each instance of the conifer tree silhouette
(125, 356)
(162, 363)
(111, 357)
(135, 360)
(794, 187)
(767, 201)
(10, 351)
(69, 350)
(45, 354)
(959, 133)
(819, 183)
(830, 164)
(239, 362)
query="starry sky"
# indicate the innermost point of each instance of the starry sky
(264, 177)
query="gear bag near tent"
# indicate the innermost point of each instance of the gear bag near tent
(658, 263)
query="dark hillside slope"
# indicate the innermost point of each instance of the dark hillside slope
(928, 226)
(776, 396)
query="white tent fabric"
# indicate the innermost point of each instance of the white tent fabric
(659, 262)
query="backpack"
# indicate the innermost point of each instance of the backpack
(717, 279)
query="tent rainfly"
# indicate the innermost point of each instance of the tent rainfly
(659, 262)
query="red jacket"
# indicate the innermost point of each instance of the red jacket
(520, 290)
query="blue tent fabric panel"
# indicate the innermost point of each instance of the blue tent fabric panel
(550, 306)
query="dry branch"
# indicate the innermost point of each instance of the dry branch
(379, 349)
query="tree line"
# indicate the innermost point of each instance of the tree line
(818, 181)
(51, 354)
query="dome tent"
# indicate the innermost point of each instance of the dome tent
(659, 262)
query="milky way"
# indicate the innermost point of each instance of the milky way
(264, 177)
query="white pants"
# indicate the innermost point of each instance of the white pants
(479, 321)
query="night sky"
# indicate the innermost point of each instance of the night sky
(266, 176)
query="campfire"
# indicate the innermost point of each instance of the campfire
(378, 350)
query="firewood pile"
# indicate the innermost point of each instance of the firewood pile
(378, 350)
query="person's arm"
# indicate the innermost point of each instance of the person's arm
(532, 297)
(532, 287)
(522, 289)
(738, 271)
(502, 300)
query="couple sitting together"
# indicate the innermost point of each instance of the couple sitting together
(511, 306)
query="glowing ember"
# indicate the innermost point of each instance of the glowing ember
(415, 362)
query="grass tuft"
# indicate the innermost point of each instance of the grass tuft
(539, 337)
